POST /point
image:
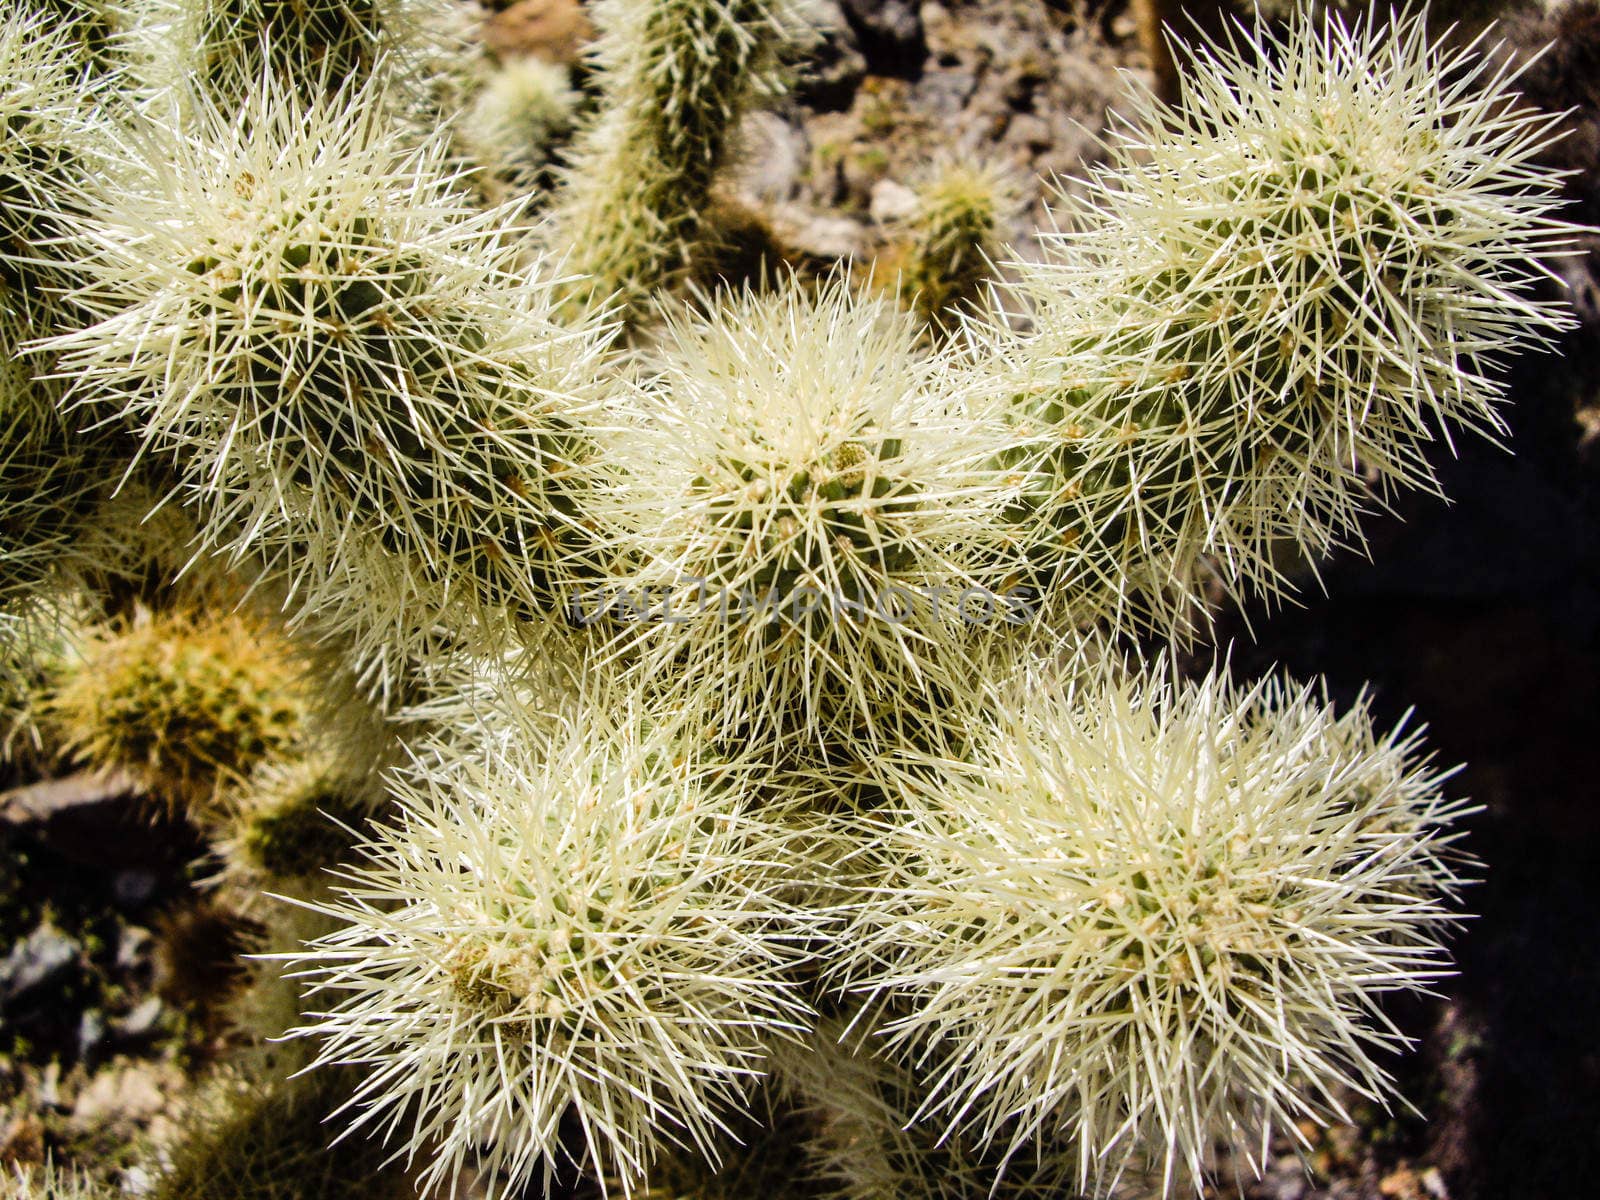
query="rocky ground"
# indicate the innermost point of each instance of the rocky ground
(895, 87)
(1483, 615)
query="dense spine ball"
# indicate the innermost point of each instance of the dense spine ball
(1145, 916)
(584, 926)
(299, 819)
(1259, 318)
(805, 529)
(133, 550)
(762, 1154)
(266, 1000)
(46, 483)
(47, 123)
(349, 369)
(241, 40)
(97, 27)
(35, 634)
(183, 702)
(801, 744)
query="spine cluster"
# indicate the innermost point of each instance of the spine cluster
(711, 749)
(1258, 319)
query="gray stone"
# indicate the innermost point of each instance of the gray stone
(132, 887)
(44, 957)
(896, 22)
(772, 157)
(946, 93)
(130, 1094)
(834, 67)
(892, 201)
(91, 1032)
(1031, 131)
(819, 235)
(142, 1021)
(42, 801)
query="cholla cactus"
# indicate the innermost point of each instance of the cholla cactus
(510, 130)
(678, 75)
(21, 649)
(184, 702)
(49, 1182)
(135, 547)
(1143, 916)
(762, 1154)
(44, 113)
(45, 483)
(950, 239)
(584, 923)
(94, 26)
(1291, 284)
(249, 1139)
(326, 41)
(1082, 927)
(298, 819)
(36, 639)
(230, 47)
(864, 1145)
(267, 1002)
(806, 530)
(341, 355)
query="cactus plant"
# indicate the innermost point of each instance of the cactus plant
(678, 75)
(584, 922)
(299, 818)
(826, 776)
(1290, 285)
(949, 239)
(1141, 917)
(254, 1140)
(863, 1143)
(184, 702)
(511, 129)
(229, 48)
(47, 471)
(49, 123)
(337, 354)
(804, 524)
(46, 482)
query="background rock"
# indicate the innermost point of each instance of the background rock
(554, 30)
